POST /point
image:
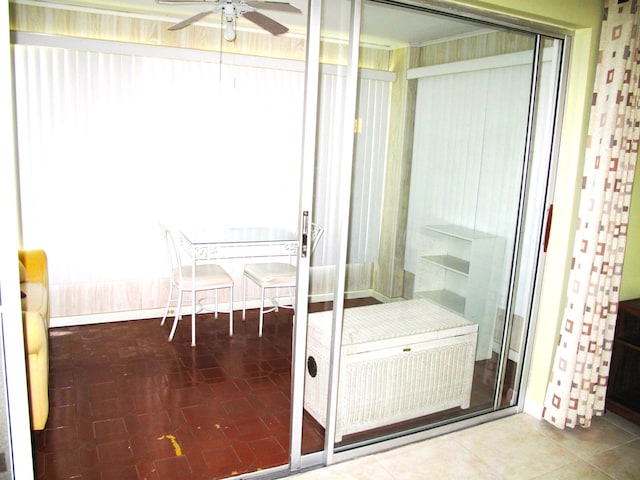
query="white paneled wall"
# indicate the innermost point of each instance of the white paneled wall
(369, 170)
(368, 165)
(369, 161)
(469, 154)
(469, 146)
(111, 144)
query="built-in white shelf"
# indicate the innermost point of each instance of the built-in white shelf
(446, 298)
(455, 264)
(459, 269)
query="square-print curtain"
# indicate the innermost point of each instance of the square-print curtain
(577, 389)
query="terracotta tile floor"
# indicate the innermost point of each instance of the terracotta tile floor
(126, 404)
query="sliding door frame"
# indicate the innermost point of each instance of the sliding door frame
(330, 454)
(299, 343)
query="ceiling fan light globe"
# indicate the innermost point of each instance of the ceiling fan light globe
(229, 32)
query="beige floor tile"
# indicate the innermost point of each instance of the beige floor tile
(515, 447)
(621, 463)
(576, 470)
(439, 458)
(586, 442)
(623, 423)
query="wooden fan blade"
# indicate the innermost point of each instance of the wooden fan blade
(186, 2)
(191, 20)
(275, 6)
(268, 24)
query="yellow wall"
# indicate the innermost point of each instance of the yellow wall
(583, 18)
(630, 287)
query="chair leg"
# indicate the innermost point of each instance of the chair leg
(166, 310)
(291, 300)
(261, 311)
(244, 296)
(231, 311)
(175, 320)
(193, 318)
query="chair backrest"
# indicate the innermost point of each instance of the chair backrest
(316, 233)
(173, 256)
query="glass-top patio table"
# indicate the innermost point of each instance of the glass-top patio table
(238, 242)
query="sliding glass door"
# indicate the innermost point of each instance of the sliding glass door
(433, 201)
(427, 152)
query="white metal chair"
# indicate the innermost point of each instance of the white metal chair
(274, 275)
(193, 278)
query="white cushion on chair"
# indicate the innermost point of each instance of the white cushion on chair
(206, 276)
(271, 274)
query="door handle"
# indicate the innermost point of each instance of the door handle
(547, 230)
(305, 234)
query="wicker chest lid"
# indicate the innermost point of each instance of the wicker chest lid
(393, 324)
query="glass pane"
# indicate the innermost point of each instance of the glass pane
(446, 202)
(532, 223)
(330, 192)
(439, 159)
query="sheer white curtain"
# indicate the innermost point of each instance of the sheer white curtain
(110, 144)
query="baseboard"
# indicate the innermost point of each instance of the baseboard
(328, 297)
(383, 298)
(513, 355)
(532, 408)
(93, 319)
(125, 316)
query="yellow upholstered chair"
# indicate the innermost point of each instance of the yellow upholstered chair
(34, 285)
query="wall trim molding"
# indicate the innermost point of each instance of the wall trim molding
(145, 314)
(176, 53)
(477, 64)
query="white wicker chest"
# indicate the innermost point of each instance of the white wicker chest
(399, 361)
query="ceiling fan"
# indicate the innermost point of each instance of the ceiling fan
(233, 9)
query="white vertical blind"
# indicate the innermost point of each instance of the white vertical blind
(374, 97)
(111, 144)
(368, 169)
(470, 132)
(327, 173)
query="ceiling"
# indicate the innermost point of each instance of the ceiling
(381, 24)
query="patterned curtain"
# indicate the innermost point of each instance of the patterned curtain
(581, 369)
